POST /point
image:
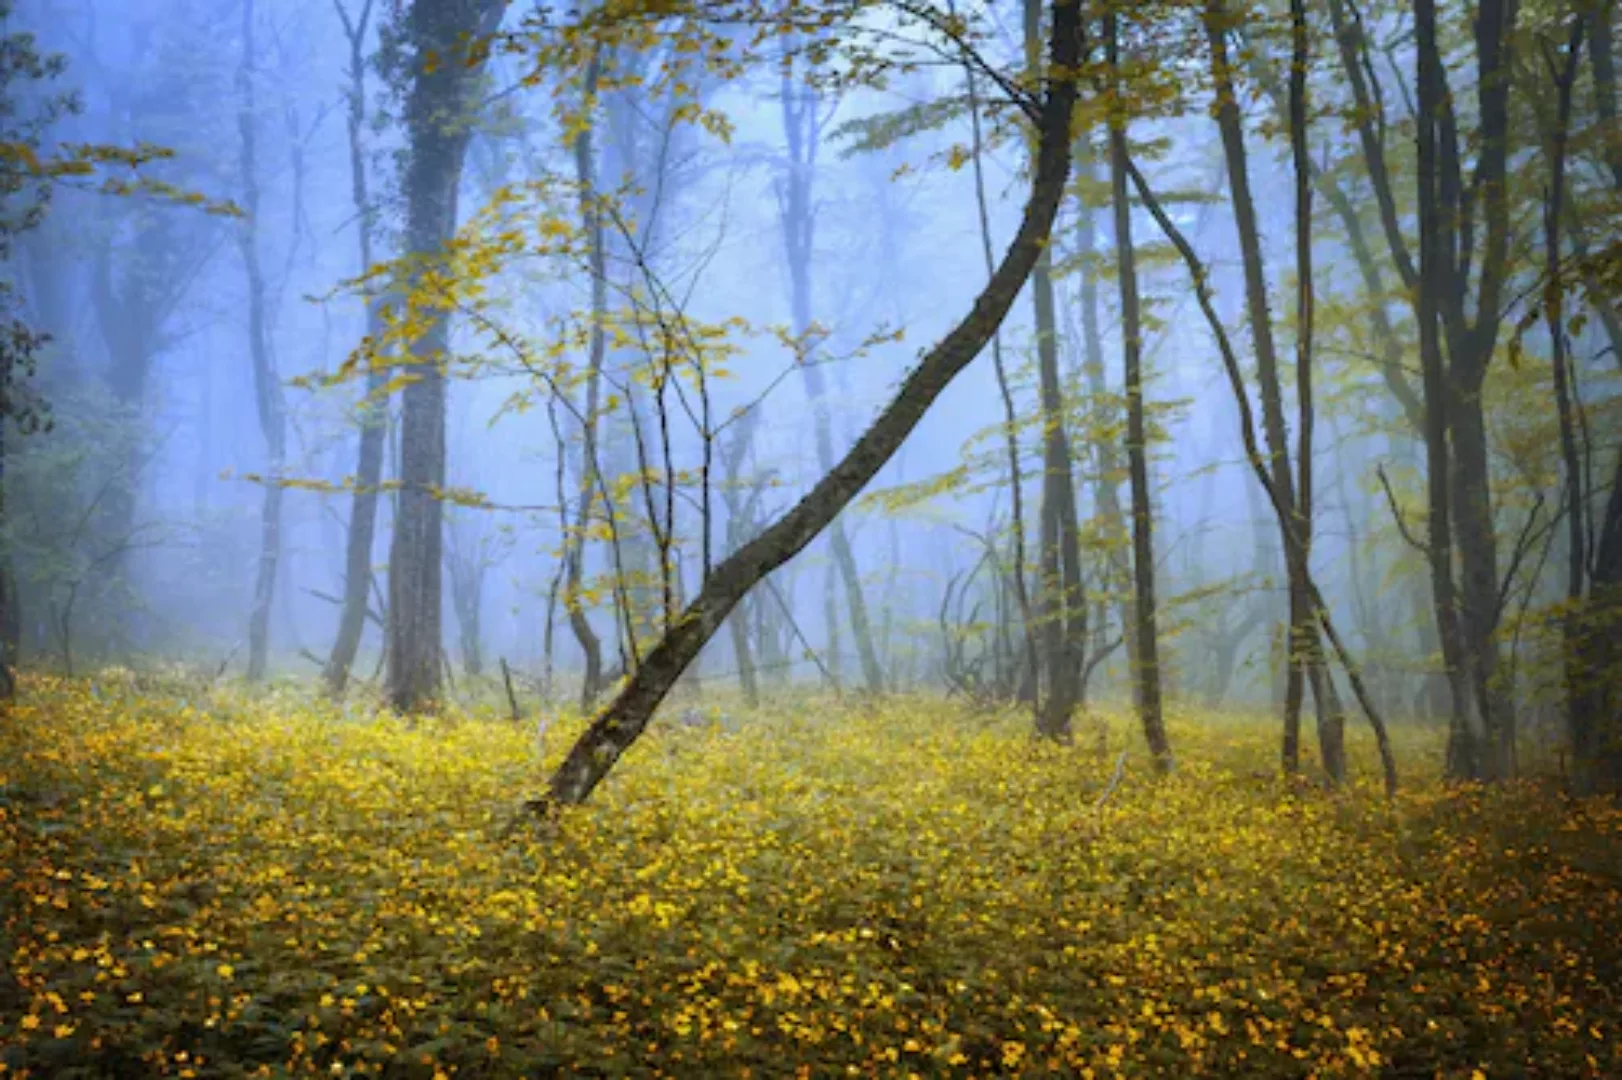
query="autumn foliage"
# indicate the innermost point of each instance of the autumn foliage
(201, 883)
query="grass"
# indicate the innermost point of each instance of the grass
(216, 884)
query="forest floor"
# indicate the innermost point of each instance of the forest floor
(205, 882)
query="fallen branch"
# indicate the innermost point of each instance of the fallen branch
(512, 698)
(1114, 782)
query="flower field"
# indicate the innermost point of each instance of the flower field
(205, 883)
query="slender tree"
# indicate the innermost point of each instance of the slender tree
(268, 397)
(802, 126)
(374, 405)
(1062, 604)
(1145, 652)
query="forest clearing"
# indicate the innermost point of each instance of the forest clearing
(239, 885)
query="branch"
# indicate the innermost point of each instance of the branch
(1414, 542)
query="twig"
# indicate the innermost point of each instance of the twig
(1523, 543)
(1114, 782)
(219, 672)
(512, 698)
(1396, 513)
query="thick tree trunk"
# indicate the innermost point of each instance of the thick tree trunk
(624, 721)
(1598, 710)
(1143, 629)
(1466, 730)
(437, 121)
(374, 406)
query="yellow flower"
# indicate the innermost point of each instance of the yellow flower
(30, 1022)
(225, 971)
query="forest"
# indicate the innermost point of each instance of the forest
(810, 538)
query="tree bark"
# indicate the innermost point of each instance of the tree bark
(1144, 626)
(1465, 725)
(608, 737)
(1230, 125)
(374, 406)
(1062, 604)
(438, 126)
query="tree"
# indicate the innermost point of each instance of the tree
(267, 386)
(442, 45)
(374, 406)
(802, 125)
(1062, 604)
(1143, 628)
(24, 197)
(622, 723)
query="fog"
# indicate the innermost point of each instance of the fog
(150, 374)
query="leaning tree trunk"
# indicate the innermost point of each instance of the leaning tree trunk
(594, 754)
(267, 388)
(374, 406)
(1144, 628)
(438, 125)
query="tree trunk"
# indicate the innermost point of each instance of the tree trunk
(374, 406)
(1143, 628)
(1062, 605)
(1031, 661)
(802, 127)
(1110, 468)
(1230, 124)
(574, 540)
(624, 721)
(1331, 721)
(267, 386)
(1581, 715)
(437, 122)
(1465, 729)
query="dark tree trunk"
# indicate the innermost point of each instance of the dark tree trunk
(1331, 721)
(374, 406)
(1144, 626)
(1230, 123)
(1465, 726)
(624, 721)
(1111, 469)
(1061, 603)
(437, 107)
